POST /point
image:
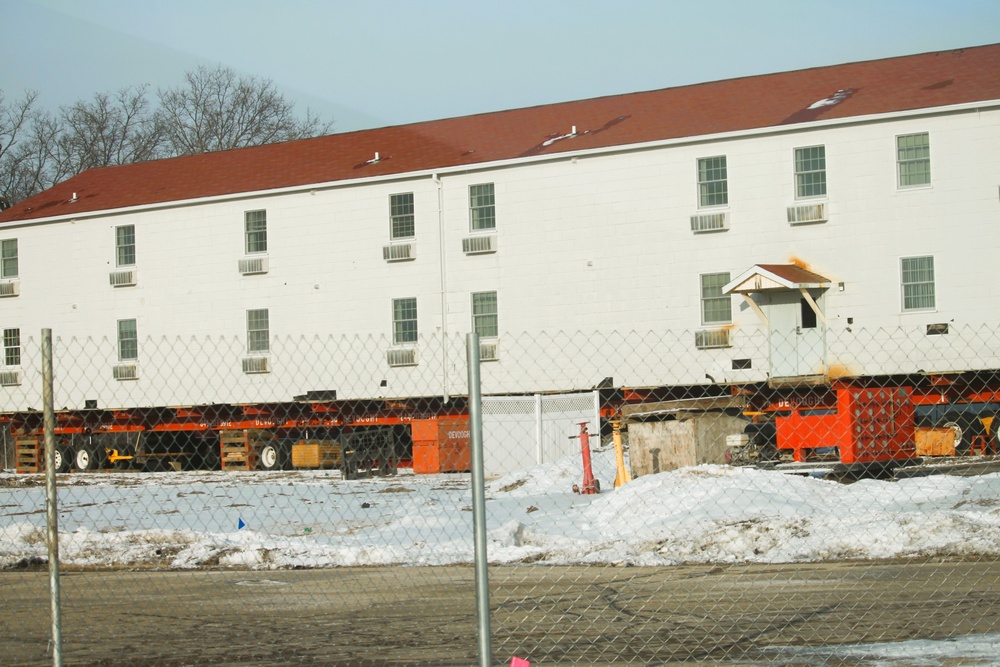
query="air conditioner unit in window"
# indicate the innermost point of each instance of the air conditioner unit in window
(256, 365)
(939, 329)
(126, 372)
(123, 278)
(402, 357)
(10, 378)
(709, 222)
(478, 245)
(10, 288)
(253, 265)
(398, 252)
(488, 351)
(711, 338)
(798, 215)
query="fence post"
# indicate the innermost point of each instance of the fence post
(539, 433)
(478, 500)
(52, 513)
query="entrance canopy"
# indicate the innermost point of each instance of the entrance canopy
(774, 277)
(765, 277)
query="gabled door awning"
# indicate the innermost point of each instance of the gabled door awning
(770, 277)
(764, 277)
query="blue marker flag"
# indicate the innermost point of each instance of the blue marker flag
(240, 525)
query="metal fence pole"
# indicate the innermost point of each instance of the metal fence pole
(479, 500)
(52, 514)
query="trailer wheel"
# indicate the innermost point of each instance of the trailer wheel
(61, 456)
(87, 458)
(273, 456)
(966, 426)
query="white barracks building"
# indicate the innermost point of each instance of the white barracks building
(773, 226)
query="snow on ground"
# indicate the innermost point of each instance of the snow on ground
(970, 651)
(704, 514)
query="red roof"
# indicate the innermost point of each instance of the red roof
(793, 273)
(772, 100)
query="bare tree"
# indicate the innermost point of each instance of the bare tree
(27, 140)
(109, 130)
(218, 109)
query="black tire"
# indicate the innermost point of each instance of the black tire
(274, 456)
(211, 456)
(62, 457)
(88, 457)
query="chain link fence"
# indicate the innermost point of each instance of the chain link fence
(652, 498)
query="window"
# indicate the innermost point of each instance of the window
(125, 245)
(713, 188)
(482, 207)
(258, 331)
(401, 225)
(810, 172)
(484, 314)
(128, 341)
(8, 258)
(918, 283)
(914, 158)
(716, 307)
(255, 228)
(12, 347)
(404, 320)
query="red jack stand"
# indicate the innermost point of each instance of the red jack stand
(590, 485)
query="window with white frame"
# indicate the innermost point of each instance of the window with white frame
(716, 307)
(484, 314)
(258, 331)
(128, 341)
(12, 347)
(401, 217)
(810, 172)
(913, 156)
(8, 258)
(482, 207)
(917, 280)
(125, 245)
(713, 184)
(255, 231)
(404, 320)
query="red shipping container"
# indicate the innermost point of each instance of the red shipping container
(867, 425)
(441, 445)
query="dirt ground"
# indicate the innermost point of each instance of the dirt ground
(550, 615)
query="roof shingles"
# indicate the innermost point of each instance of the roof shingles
(873, 87)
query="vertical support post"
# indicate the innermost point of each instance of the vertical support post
(479, 500)
(539, 451)
(52, 513)
(622, 474)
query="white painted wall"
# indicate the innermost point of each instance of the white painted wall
(597, 273)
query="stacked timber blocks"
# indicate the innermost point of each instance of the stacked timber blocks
(29, 452)
(241, 449)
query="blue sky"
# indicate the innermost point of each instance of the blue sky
(369, 63)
